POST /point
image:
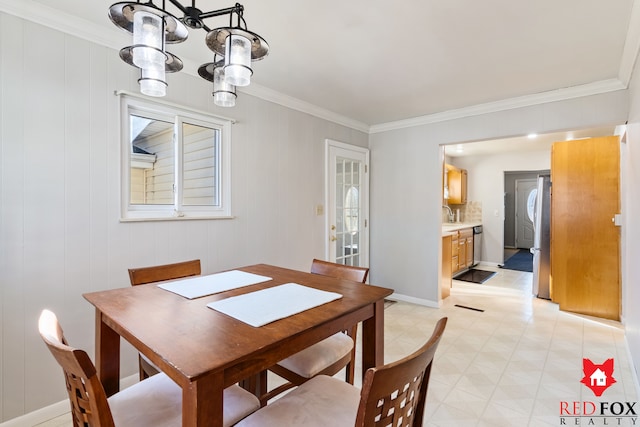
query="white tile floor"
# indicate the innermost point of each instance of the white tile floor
(510, 365)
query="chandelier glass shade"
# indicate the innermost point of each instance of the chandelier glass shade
(148, 54)
(237, 60)
(153, 28)
(148, 40)
(224, 94)
(152, 81)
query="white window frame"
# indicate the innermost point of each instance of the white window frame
(130, 103)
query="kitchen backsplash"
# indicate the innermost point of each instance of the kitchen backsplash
(471, 212)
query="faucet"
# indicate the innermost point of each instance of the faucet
(450, 212)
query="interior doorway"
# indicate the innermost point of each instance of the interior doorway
(511, 210)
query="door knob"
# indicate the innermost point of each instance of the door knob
(334, 238)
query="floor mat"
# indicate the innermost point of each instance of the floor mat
(475, 276)
(521, 261)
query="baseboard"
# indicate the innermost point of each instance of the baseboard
(488, 264)
(413, 300)
(56, 410)
(39, 416)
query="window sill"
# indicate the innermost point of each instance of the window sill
(180, 218)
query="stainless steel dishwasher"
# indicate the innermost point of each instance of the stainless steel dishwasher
(477, 245)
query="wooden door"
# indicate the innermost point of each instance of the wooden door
(585, 243)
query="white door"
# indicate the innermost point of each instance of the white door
(347, 195)
(526, 190)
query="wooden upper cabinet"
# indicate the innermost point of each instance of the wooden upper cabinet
(457, 184)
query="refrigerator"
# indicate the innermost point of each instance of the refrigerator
(542, 238)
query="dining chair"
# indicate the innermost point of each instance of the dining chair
(159, 273)
(329, 356)
(391, 395)
(153, 402)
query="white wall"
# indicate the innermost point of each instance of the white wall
(59, 196)
(405, 214)
(405, 189)
(486, 185)
(630, 164)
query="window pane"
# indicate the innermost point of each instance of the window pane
(152, 161)
(200, 150)
(177, 162)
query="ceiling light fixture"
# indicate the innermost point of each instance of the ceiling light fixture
(234, 47)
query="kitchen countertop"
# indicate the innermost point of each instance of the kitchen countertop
(449, 227)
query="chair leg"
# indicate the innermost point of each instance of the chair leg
(143, 373)
(350, 372)
(257, 385)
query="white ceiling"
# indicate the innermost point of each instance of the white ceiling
(377, 62)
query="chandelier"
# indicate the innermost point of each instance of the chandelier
(234, 47)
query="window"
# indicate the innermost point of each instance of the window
(175, 162)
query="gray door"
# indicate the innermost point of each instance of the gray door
(526, 190)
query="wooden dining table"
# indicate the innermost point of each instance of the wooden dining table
(204, 351)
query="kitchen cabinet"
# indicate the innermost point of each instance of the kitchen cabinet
(461, 250)
(457, 185)
(467, 235)
(445, 284)
(455, 265)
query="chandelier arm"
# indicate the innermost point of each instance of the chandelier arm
(238, 8)
(196, 16)
(177, 4)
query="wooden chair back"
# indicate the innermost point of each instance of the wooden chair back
(88, 400)
(158, 273)
(340, 271)
(385, 389)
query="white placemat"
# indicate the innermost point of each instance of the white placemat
(199, 286)
(267, 305)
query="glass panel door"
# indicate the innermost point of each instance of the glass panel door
(348, 197)
(348, 215)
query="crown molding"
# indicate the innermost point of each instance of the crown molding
(78, 27)
(305, 107)
(595, 88)
(50, 17)
(631, 45)
(57, 20)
